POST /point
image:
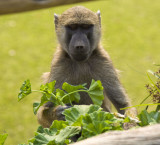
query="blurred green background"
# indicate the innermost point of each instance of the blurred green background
(131, 35)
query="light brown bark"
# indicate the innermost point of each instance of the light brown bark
(13, 6)
(149, 135)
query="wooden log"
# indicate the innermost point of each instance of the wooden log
(149, 135)
(13, 6)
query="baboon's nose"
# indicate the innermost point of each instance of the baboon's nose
(80, 48)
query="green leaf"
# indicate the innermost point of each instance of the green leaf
(74, 114)
(49, 131)
(66, 133)
(127, 119)
(24, 90)
(31, 141)
(58, 125)
(99, 122)
(93, 108)
(36, 105)
(94, 124)
(96, 92)
(48, 87)
(155, 116)
(3, 137)
(99, 116)
(51, 136)
(43, 138)
(71, 89)
(59, 94)
(144, 118)
(149, 118)
(43, 135)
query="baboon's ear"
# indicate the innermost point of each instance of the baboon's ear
(99, 16)
(55, 19)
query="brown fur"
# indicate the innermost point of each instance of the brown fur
(98, 66)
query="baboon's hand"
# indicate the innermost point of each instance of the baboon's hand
(58, 112)
(48, 113)
(131, 112)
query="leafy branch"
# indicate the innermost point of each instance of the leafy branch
(67, 94)
(85, 120)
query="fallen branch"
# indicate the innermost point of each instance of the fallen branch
(149, 135)
(13, 6)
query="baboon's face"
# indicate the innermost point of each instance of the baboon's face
(78, 31)
(79, 41)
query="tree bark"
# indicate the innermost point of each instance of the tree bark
(149, 135)
(13, 6)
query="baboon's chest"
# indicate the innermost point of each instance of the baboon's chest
(81, 73)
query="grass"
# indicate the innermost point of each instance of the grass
(27, 42)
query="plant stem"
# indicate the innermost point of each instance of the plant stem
(73, 93)
(53, 95)
(60, 101)
(37, 91)
(139, 105)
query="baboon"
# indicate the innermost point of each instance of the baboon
(80, 58)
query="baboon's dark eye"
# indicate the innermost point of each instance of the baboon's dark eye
(73, 26)
(86, 26)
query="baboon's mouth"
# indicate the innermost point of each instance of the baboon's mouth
(79, 57)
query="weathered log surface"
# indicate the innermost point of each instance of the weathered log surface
(13, 6)
(149, 135)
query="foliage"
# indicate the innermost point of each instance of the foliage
(82, 120)
(67, 94)
(153, 117)
(24, 90)
(147, 118)
(154, 88)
